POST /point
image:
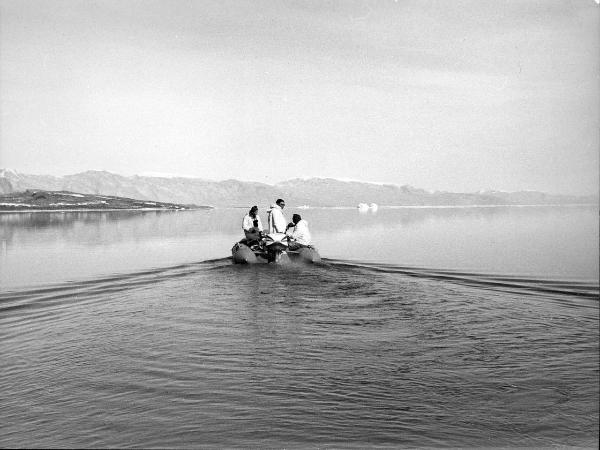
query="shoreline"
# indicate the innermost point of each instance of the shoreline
(67, 210)
(207, 208)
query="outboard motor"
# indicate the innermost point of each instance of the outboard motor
(276, 246)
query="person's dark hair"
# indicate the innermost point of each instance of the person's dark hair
(253, 209)
(279, 201)
(296, 218)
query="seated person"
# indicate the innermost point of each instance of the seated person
(298, 234)
(252, 226)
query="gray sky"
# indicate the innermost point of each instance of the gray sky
(449, 95)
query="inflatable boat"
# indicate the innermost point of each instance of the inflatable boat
(273, 248)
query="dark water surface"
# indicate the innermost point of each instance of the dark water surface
(185, 351)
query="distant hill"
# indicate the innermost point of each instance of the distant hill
(35, 200)
(296, 192)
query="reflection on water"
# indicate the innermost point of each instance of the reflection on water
(534, 241)
(89, 226)
(229, 220)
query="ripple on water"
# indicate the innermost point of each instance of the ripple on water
(341, 353)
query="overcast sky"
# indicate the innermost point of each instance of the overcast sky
(448, 95)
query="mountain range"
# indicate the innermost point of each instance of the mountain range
(296, 192)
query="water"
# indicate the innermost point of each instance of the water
(423, 327)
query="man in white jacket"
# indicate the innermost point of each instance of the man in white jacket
(277, 222)
(298, 233)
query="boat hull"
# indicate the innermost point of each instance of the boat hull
(242, 254)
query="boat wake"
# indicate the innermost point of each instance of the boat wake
(525, 285)
(336, 273)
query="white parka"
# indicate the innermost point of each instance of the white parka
(277, 222)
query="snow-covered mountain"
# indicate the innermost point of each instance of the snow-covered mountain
(313, 191)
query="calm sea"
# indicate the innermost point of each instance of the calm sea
(436, 327)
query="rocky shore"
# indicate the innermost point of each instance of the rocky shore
(38, 200)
